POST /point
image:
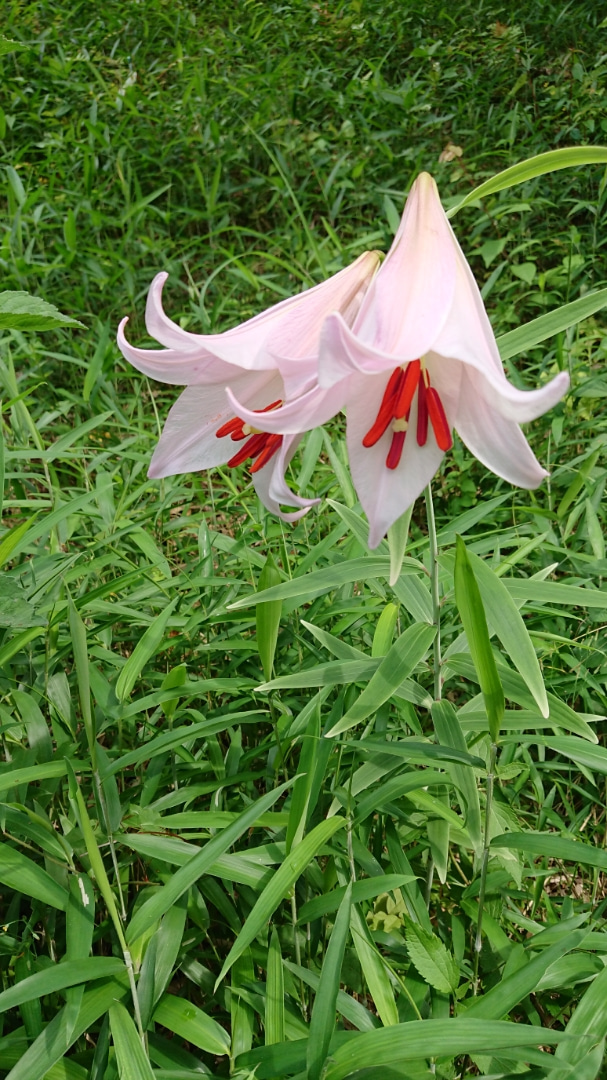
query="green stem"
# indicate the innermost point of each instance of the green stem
(434, 590)
(483, 878)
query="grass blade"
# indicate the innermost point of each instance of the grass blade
(322, 1021)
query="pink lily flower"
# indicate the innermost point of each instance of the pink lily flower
(419, 360)
(270, 359)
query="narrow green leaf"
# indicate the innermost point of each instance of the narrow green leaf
(578, 482)
(12, 539)
(309, 586)
(566, 158)
(275, 994)
(79, 645)
(302, 787)
(154, 908)
(322, 1023)
(402, 658)
(268, 618)
(192, 1024)
(397, 542)
(58, 977)
(509, 991)
(384, 631)
(472, 614)
(507, 621)
(145, 649)
(276, 890)
(554, 322)
(365, 889)
(25, 876)
(242, 1015)
(373, 969)
(435, 1038)
(59, 1034)
(132, 1060)
(554, 846)
(449, 733)
(589, 1021)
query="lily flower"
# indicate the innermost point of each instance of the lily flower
(419, 360)
(269, 360)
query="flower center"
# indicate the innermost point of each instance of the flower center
(395, 407)
(261, 446)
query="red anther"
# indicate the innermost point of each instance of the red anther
(268, 408)
(385, 413)
(422, 412)
(438, 419)
(272, 444)
(407, 389)
(235, 424)
(396, 449)
(251, 448)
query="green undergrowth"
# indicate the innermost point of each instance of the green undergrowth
(186, 852)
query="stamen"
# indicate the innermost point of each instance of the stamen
(235, 424)
(399, 428)
(272, 444)
(385, 414)
(407, 389)
(438, 419)
(251, 448)
(422, 412)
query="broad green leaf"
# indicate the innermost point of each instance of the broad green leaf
(507, 622)
(276, 890)
(566, 158)
(402, 658)
(472, 614)
(132, 1060)
(373, 968)
(16, 611)
(434, 1038)
(25, 876)
(22, 311)
(145, 649)
(275, 993)
(154, 908)
(554, 322)
(322, 1022)
(192, 1024)
(7, 45)
(268, 621)
(554, 846)
(431, 959)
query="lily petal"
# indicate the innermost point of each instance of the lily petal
(308, 411)
(188, 442)
(383, 492)
(270, 484)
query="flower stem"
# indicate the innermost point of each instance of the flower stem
(483, 878)
(434, 590)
